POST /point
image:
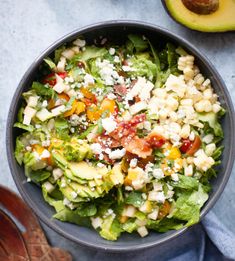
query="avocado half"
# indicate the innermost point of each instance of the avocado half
(222, 20)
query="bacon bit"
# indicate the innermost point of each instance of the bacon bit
(107, 142)
(155, 140)
(139, 146)
(133, 83)
(141, 162)
(120, 89)
(125, 62)
(137, 99)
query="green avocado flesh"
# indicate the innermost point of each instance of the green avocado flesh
(220, 21)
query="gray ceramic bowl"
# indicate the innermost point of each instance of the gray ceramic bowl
(117, 30)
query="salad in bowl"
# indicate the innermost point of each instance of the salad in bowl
(121, 138)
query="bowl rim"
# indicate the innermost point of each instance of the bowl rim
(129, 23)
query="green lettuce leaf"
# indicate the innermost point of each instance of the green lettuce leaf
(39, 175)
(212, 120)
(188, 205)
(19, 154)
(43, 90)
(22, 126)
(165, 224)
(130, 225)
(136, 42)
(143, 67)
(73, 217)
(187, 183)
(62, 128)
(57, 204)
(110, 228)
(135, 199)
(49, 62)
(87, 210)
(58, 53)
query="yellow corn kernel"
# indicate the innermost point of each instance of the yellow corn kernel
(178, 164)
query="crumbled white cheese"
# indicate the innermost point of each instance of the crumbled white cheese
(111, 96)
(73, 194)
(109, 124)
(88, 79)
(158, 173)
(117, 154)
(96, 222)
(137, 107)
(111, 51)
(175, 177)
(157, 196)
(133, 163)
(208, 138)
(96, 148)
(79, 42)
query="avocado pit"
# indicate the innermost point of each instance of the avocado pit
(203, 7)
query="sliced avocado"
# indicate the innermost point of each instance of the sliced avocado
(59, 159)
(74, 150)
(83, 191)
(68, 173)
(100, 190)
(68, 192)
(212, 120)
(221, 20)
(83, 170)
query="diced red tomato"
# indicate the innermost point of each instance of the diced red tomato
(51, 79)
(195, 146)
(155, 140)
(186, 145)
(190, 147)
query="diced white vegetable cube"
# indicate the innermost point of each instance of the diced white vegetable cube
(57, 173)
(26, 120)
(32, 101)
(142, 231)
(48, 186)
(30, 112)
(43, 114)
(61, 64)
(58, 110)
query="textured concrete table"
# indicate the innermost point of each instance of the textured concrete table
(28, 27)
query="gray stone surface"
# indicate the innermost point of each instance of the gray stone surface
(28, 27)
